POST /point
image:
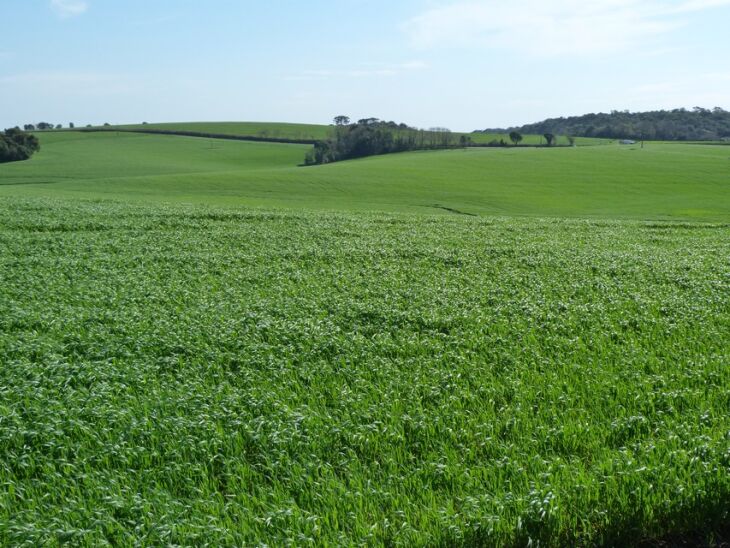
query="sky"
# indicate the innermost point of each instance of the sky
(461, 64)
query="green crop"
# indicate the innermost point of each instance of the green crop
(245, 129)
(190, 375)
(320, 132)
(660, 182)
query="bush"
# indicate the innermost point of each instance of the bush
(16, 145)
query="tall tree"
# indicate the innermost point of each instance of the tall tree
(515, 137)
(342, 120)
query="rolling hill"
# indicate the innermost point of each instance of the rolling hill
(658, 182)
(203, 343)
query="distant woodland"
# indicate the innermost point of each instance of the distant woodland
(697, 124)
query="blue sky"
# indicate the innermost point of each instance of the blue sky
(463, 64)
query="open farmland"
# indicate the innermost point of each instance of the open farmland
(667, 181)
(202, 343)
(272, 130)
(243, 129)
(187, 375)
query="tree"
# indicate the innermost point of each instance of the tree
(44, 125)
(29, 127)
(550, 138)
(342, 120)
(71, 125)
(371, 136)
(571, 140)
(59, 126)
(515, 137)
(16, 145)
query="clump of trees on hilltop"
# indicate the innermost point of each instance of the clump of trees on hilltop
(697, 124)
(371, 136)
(16, 145)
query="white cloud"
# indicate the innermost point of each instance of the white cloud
(707, 90)
(69, 8)
(698, 5)
(366, 71)
(551, 27)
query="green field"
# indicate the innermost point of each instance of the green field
(484, 138)
(657, 182)
(274, 130)
(244, 129)
(202, 343)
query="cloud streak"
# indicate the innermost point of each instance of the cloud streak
(366, 71)
(551, 28)
(69, 8)
(77, 83)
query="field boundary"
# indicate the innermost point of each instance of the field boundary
(183, 133)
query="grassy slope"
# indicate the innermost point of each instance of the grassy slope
(185, 376)
(177, 374)
(534, 139)
(658, 182)
(314, 131)
(255, 129)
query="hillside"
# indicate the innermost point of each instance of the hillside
(659, 182)
(273, 131)
(698, 124)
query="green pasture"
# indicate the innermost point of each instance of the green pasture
(318, 132)
(562, 140)
(661, 181)
(244, 129)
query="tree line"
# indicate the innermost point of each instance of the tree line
(44, 126)
(371, 136)
(16, 145)
(697, 124)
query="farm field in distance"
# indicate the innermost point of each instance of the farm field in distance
(314, 131)
(201, 342)
(663, 181)
(242, 129)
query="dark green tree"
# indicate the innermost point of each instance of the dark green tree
(371, 136)
(16, 145)
(515, 137)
